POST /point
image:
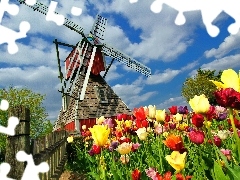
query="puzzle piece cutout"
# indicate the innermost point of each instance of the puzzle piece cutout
(12, 121)
(31, 171)
(30, 2)
(10, 129)
(58, 18)
(4, 105)
(4, 170)
(8, 35)
(210, 10)
(12, 9)
(52, 16)
(133, 1)
(76, 11)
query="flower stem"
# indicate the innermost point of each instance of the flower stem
(160, 152)
(210, 136)
(234, 131)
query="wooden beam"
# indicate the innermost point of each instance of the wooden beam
(108, 68)
(58, 59)
(63, 44)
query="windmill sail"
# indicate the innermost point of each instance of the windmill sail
(99, 27)
(125, 59)
(44, 10)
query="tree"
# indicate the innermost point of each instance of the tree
(39, 125)
(200, 84)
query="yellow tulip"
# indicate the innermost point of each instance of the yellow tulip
(151, 111)
(230, 79)
(165, 134)
(128, 123)
(142, 133)
(119, 123)
(177, 160)
(178, 117)
(160, 115)
(143, 136)
(124, 148)
(100, 120)
(70, 139)
(182, 126)
(100, 134)
(200, 104)
(207, 124)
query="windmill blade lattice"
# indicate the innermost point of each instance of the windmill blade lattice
(44, 9)
(99, 27)
(123, 58)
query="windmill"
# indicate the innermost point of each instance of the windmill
(87, 56)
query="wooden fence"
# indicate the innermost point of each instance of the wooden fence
(50, 149)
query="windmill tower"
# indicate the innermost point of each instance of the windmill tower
(85, 93)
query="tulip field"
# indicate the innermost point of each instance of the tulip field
(178, 143)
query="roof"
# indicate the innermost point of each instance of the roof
(91, 107)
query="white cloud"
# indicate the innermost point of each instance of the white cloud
(223, 63)
(164, 77)
(174, 101)
(190, 66)
(155, 33)
(40, 79)
(112, 73)
(230, 43)
(132, 94)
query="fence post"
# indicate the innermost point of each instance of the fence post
(19, 142)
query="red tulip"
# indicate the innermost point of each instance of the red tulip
(141, 123)
(236, 122)
(173, 110)
(217, 141)
(136, 174)
(139, 113)
(196, 137)
(167, 176)
(121, 117)
(96, 149)
(211, 113)
(197, 120)
(228, 98)
(124, 139)
(167, 118)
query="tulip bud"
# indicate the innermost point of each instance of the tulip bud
(151, 111)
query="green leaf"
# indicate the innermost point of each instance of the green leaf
(235, 171)
(219, 174)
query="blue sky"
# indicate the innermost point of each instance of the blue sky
(172, 52)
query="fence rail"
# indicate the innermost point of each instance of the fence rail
(50, 149)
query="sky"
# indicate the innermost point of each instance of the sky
(173, 52)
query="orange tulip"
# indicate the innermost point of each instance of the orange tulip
(174, 142)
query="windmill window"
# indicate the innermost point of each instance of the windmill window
(102, 95)
(65, 102)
